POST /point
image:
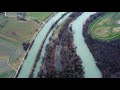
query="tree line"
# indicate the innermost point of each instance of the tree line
(70, 61)
(106, 54)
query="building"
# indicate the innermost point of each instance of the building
(21, 15)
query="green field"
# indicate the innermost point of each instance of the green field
(18, 31)
(12, 35)
(5, 49)
(39, 15)
(106, 27)
(7, 72)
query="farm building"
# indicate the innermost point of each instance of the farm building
(21, 15)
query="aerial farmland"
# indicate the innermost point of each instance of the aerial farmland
(59, 44)
(13, 33)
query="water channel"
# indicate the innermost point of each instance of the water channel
(43, 49)
(88, 62)
(28, 63)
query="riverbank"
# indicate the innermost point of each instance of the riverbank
(61, 51)
(106, 54)
(16, 32)
(40, 49)
(26, 68)
(31, 43)
(88, 62)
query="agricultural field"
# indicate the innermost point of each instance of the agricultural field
(6, 49)
(106, 27)
(39, 15)
(7, 72)
(18, 31)
(12, 35)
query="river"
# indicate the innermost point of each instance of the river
(37, 69)
(88, 62)
(28, 63)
